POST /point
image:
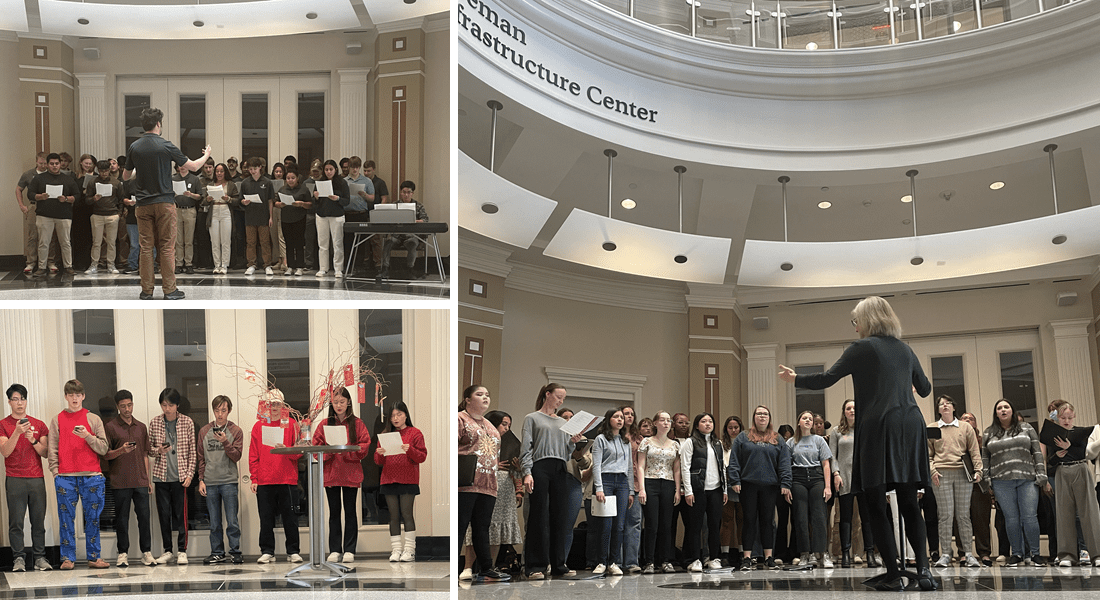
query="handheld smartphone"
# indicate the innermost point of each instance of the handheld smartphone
(165, 445)
(131, 443)
(78, 429)
(24, 421)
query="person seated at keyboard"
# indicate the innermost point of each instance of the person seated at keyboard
(409, 242)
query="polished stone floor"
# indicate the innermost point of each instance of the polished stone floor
(14, 285)
(957, 582)
(372, 579)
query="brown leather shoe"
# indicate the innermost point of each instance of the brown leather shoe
(98, 563)
(67, 565)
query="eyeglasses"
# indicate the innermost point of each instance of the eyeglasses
(762, 415)
(854, 324)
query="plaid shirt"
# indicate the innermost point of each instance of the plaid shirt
(185, 446)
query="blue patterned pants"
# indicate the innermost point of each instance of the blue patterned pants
(88, 489)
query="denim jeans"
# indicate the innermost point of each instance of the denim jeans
(610, 529)
(632, 535)
(1019, 499)
(574, 498)
(220, 497)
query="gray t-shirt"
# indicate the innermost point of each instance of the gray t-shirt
(543, 438)
(173, 463)
(810, 451)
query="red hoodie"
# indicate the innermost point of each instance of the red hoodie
(346, 468)
(404, 468)
(266, 468)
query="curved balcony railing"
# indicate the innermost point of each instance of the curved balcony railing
(826, 24)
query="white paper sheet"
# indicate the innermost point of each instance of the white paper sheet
(104, 189)
(391, 442)
(287, 200)
(272, 435)
(607, 508)
(580, 423)
(336, 435)
(356, 188)
(54, 191)
(324, 188)
(216, 192)
(179, 187)
(252, 199)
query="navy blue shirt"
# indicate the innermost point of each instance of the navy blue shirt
(152, 156)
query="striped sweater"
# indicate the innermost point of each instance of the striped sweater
(1007, 457)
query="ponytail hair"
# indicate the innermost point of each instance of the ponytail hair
(546, 389)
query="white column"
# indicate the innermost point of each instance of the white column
(92, 89)
(353, 112)
(763, 364)
(427, 380)
(1071, 345)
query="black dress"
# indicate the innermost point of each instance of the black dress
(891, 444)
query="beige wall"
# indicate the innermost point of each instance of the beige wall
(542, 331)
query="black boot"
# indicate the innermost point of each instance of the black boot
(845, 545)
(846, 557)
(869, 560)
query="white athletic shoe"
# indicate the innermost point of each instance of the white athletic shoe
(321, 273)
(250, 270)
(268, 271)
(122, 561)
(599, 570)
(91, 270)
(298, 272)
(714, 564)
(348, 558)
(467, 574)
(147, 559)
(695, 567)
(164, 558)
(338, 274)
(614, 570)
(181, 558)
(333, 557)
(944, 561)
(265, 558)
(294, 558)
(113, 269)
(289, 272)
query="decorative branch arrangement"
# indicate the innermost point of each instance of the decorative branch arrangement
(342, 372)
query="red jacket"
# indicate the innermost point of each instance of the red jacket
(404, 468)
(265, 468)
(346, 468)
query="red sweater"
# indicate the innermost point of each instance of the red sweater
(346, 468)
(404, 468)
(266, 468)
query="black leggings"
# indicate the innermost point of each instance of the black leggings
(883, 524)
(759, 504)
(401, 509)
(846, 522)
(342, 536)
(706, 510)
(476, 512)
(658, 508)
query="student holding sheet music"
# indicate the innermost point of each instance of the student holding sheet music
(400, 481)
(1076, 494)
(220, 192)
(478, 451)
(659, 464)
(257, 196)
(1013, 463)
(187, 188)
(613, 481)
(330, 217)
(294, 200)
(951, 475)
(343, 473)
(104, 194)
(272, 476)
(278, 244)
(545, 448)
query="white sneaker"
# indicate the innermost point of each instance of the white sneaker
(320, 273)
(333, 557)
(181, 558)
(294, 558)
(1083, 559)
(349, 558)
(147, 559)
(944, 561)
(1065, 562)
(395, 556)
(265, 558)
(298, 271)
(827, 561)
(289, 272)
(113, 269)
(695, 567)
(599, 570)
(123, 560)
(971, 561)
(164, 558)
(91, 270)
(614, 570)
(714, 564)
(467, 574)
(250, 270)
(268, 271)
(338, 274)
(408, 556)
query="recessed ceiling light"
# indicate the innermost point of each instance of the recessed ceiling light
(996, 185)
(824, 204)
(198, 23)
(87, 354)
(680, 258)
(1059, 239)
(907, 198)
(609, 246)
(83, 21)
(786, 266)
(916, 261)
(311, 15)
(410, 1)
(489, 208)
(628, 203)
